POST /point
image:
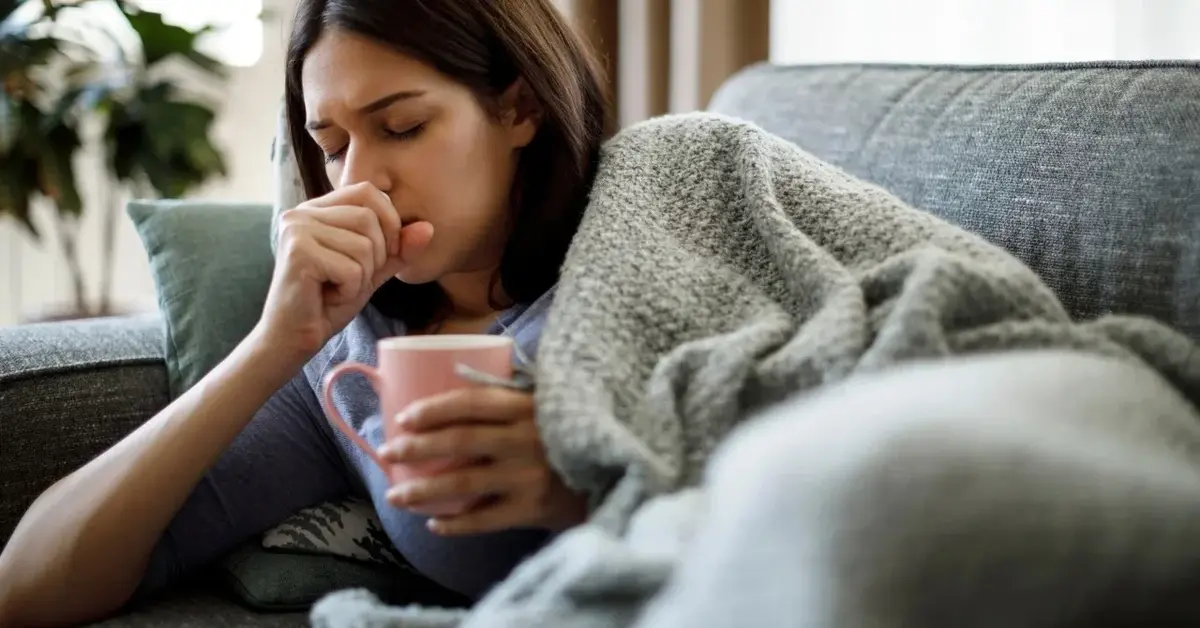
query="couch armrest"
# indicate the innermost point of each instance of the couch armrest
(67, 392)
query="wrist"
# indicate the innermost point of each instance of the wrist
(264, 341)
(263, 347)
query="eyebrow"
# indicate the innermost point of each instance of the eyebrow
(378, 105)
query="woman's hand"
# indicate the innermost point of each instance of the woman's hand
(511, 481)
(333, 253)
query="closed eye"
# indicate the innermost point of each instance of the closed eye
(332, 157)
(406, 134)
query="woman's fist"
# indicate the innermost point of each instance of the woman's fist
(332, 253)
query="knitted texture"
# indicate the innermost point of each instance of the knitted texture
(719, 270)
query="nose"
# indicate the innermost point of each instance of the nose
(362, 165)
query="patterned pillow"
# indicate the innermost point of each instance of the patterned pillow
(348, 528)
(330, 547)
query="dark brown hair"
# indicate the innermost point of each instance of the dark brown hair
(485, 45)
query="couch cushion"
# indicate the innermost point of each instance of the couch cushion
(1090, 173)
(67, 392)
(201, 606)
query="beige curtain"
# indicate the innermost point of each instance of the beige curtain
(666, 56)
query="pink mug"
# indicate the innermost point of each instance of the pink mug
(416, 367)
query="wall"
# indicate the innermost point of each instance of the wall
(33, 278)
(983, 31)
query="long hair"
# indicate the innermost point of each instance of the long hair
(484, 45)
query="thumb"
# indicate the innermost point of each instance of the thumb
(413, 239)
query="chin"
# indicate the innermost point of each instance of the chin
(426, 267)
(417, 276)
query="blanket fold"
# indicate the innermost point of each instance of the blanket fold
(717, 271)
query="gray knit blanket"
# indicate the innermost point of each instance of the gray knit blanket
(719, 270)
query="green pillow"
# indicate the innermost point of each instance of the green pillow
(212, 265)
(274, 582)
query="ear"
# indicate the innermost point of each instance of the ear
(521, 113)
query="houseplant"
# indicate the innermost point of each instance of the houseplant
(70, 82)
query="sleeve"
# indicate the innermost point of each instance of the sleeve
(283, 461)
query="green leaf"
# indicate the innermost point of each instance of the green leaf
(29, 123)
(10, 124)
(159, 39)
(124, 138)
(166, 178)
(56, 167)
(18, 168)
(16, 176)
(164, 139)
(205, 157)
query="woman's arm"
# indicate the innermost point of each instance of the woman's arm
(82, 547)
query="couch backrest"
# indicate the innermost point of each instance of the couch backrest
(1090, 173)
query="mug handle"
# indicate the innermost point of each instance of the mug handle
(336, 417)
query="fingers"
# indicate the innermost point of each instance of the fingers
(489, 404)
(352, 218)
(343, 257)
(372, 198)
(518, 441)
(343, 275)
(352, 245)
(500, 514)
(414, 238)
(364, 209)
(475, 482)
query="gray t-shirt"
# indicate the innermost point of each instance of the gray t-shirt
(289, 457)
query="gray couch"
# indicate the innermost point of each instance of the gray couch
(1090, 173)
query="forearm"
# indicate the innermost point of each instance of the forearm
(82, 547)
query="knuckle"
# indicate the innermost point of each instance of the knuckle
(365, 215)
(289, 221)
(363, 249)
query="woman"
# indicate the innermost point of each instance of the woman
(447, 149)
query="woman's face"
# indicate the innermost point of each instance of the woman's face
(424, 140)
